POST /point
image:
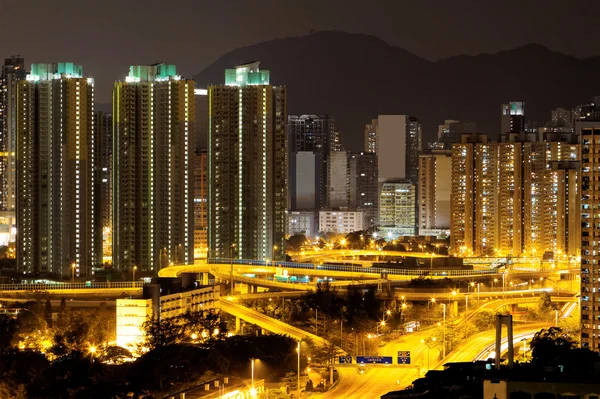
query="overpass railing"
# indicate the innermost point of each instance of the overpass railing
(71, 286)
(352, 268)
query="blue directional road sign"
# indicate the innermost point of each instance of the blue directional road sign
(403, 357)
(374, 359)
(346, 359)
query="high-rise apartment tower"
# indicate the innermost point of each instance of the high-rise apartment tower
(248, 158)
(154, 118)
(58, 220)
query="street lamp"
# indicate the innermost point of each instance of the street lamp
(73, 266)
(444, 333)
(298, 349)
(274, 252)
(432, 300)
(382, 324)
(493, 282)
(133, 277)
(231, 261)
(252, 362)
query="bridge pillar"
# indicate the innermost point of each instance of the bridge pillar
(237, 324)
(453, 308)
(507, 321)
(250, 289)
(514, 308)
(204, 278)
(254, 289)
(262, 331)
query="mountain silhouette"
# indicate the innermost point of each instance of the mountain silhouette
(355, 77)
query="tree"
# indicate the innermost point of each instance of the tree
(114, 354)
(61, 318)
(484, 320)
(290, 380)
(545, 302)
(48, 313)
(8, 330)
(550, 344)
(295, 242)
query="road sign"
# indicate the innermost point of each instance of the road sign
(403, 357)
(346, 359)
(374, 359)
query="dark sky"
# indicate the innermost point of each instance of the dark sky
(106, 36)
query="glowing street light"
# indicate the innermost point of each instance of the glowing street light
(73, 266)
(134, 269)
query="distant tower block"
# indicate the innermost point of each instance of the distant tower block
(507, 321)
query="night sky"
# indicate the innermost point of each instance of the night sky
(107, 36)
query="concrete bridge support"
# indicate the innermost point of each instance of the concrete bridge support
(238, 324)
(205, 278)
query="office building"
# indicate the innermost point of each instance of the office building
(317, 134)
(338, 179)
(248, 161)
(153, 147)
(363, 194)
(512, 117)
(200, 204)
(12, 72)
(562, 117)
(371, 134)
(162, 299)
(587, 125)
(305, 180)
(398, 209)
(341, 220)
(451, 132)
(58, 221)
(435, 180)
(398, 145)
(103, 128)
(303, 222)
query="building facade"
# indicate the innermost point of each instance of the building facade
(398, 209)
(248, 165)
(338, 179)
(516, 197)
(305, 180)
(587, 126)
(12, 72)
(154, 126)
(371, 134)
(104, 129)
(200, 204)
(59, 224)
(341, 221)
(435, 186)
(303, 222)
(473, 228)
(363, 195)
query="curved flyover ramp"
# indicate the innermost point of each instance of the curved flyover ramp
(268, 323)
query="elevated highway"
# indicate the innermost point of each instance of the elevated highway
(266, 322)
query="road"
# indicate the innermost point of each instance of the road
(375, 382)
(71, 303)
(266, 322)
(476, 345)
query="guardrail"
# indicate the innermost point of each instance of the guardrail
(71, 286)
(353, 268)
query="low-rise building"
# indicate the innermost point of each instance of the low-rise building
(341, 221)
(163, 298)
(302, 222)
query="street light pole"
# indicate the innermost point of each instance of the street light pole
(231, 261)
(298, 368)
(252, 372)
(133, 277)
(73, 266)
(444, 333)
